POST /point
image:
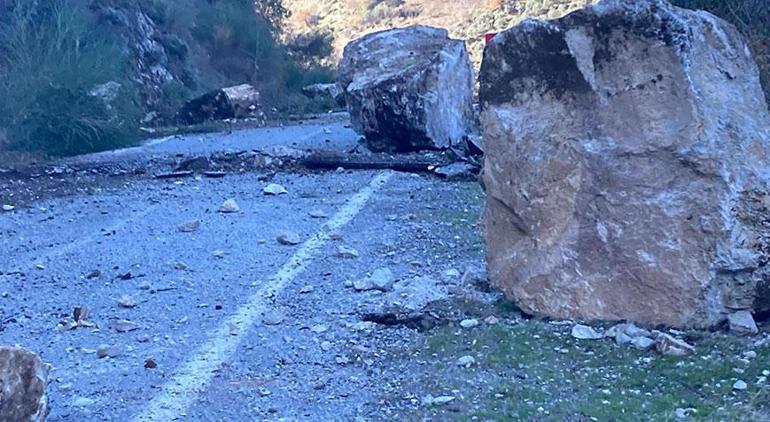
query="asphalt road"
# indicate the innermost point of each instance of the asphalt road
(239, 326)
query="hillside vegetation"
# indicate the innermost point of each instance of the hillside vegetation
(83, 75)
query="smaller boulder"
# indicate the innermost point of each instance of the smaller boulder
(227, 103)
(742, 322)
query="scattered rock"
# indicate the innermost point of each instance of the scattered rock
(274, 189)
(740, 385)
(190, 226)
(643, 343)
(123, 325)
(307, 289)
(288, 238)
(229, 207)
(648, 127)
(181, 266)
(273, 317)
(458, 171)
(469, 323)
(408, 89)
(8, 208)
(105, 351)
(681, 413)
(381, 279)
(429, 400)
(346, 252)
(671, 346)
(127, 301)
(584, 332)
(319, 328)
(150, 363)
(218, 254)
(318, 214)
(200, 164)
(742, 322)
(23, 381)
(491, 320)
(93, 274)
(466, 361)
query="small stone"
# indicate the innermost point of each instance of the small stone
(123, 325)
(318, 214)
(319, 328)
(126, 301)
(181, 266)
(643, 343)
(452, 273)
(23, 380)
(105, 351)
(288, 239)
(93, 274)
(750, 354)
(150, 363)
(264, 392)
(681, 413)
(491, 320)
(306, 289)
(346, 252)
(229, 207)
(584, 332)
(382, 279)
(8, 208)
(436, 401)
(466, 361)
(274, 189)
(273, 317)
(742, 322)
(740, 385)
(190, 226)
(469, 323)
(218, 254)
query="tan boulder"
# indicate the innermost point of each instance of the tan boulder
(627, 166)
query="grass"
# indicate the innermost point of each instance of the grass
(55, 54)
(534, 370)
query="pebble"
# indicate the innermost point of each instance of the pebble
(274, 189)
(466, 361)
(750, 354)
(288, 239)
(492, 320)
(346, 252)
(8, 208)
(190, 226)
(229, 207)
(319, 328)
(740, 385)
(584, 332)
(105, 351)
(469, 323)
(127, 301)
(273, 317)
(318, 214)
(306, 289)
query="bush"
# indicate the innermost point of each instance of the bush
(752, 18)
(54, 56)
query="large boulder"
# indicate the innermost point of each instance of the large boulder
(408, 89)
(238, 101)
(627, 166)
(23, 379)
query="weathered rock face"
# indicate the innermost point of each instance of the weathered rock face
(23, 378)
(627, 166)
(227, 103)
(408, 89)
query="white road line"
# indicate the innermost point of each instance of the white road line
(192, 376)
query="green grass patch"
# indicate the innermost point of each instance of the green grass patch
(536, 370)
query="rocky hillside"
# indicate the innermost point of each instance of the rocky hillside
(343, 20)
